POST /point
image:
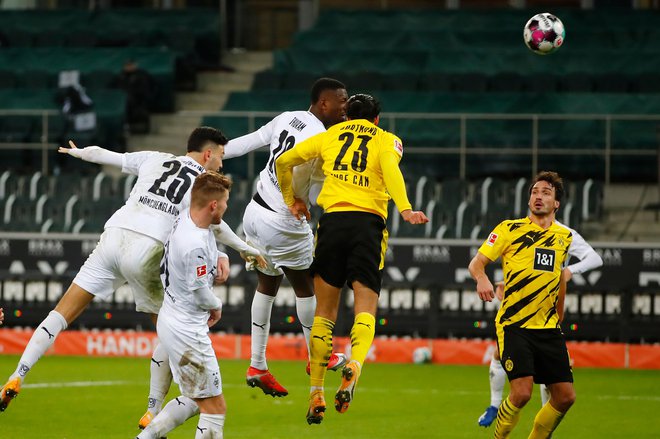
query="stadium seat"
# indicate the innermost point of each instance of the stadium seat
(507, 82)
(611, 83)
(7, 79)
(267, 80)
(576, 82)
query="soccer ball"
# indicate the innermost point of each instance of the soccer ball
(544, 33)
(421, 355)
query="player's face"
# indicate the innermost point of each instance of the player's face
(214, 162)
(542, 200)
(334, 106)
(220, 208)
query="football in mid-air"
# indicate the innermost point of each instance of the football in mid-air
(544, 33)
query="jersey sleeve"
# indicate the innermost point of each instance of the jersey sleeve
(131, 161)
(249, 142)
(588, 257)
(497, 241)
(390, 156)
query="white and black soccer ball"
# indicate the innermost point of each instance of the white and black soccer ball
(544, 33)
(421, 355)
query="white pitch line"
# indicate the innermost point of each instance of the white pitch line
(78, 384)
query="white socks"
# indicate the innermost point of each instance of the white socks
(175, 413)
(42, 339)
(305, 308)
(210, 426)
(497, 377)
(161, 378)
(545, 394)
(262, 305)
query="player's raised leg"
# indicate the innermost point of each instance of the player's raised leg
(175, 413)
(70, 306)
(159, 384)
(320, 346)
(362, 336)
(303, 287)
(258, 374)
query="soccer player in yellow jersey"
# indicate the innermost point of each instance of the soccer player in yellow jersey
(361, 167)
(531, 345)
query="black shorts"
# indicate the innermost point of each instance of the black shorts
(540, 353)
(350, 246)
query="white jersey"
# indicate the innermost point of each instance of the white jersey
(162, 190)
(187, 272)
(580, 248)
(281, 134)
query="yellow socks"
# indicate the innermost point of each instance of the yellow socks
(362, 335)
(545, 422)
(507, 418)
(320, 349)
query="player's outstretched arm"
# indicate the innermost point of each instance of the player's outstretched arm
(93, 154)
(225, 235)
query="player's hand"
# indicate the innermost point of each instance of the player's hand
(223, 271)
(254, 259)
(299, 209)
(485, 289)
(215, 316)
(2, 315)
(567, 274)
(74, 150)
(414, 216)
(499, 290)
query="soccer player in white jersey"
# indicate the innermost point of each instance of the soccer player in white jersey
(287, 243)
(131, 246)
(588, 260)
(190, 307)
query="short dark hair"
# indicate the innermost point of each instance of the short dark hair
(555, 181)
(323, 84)
(202, 135)
(362, 106)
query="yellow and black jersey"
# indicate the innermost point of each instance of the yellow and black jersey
(532, 260)
(360, 163)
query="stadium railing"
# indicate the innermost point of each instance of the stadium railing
(609, 147)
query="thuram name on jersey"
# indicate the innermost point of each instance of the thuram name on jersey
(163, 206)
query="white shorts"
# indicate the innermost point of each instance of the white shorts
(123, 256)
(192, 358)
(283, 240)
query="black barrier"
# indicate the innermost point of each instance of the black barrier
(427, 291)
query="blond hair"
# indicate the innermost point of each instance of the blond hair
(208, 187)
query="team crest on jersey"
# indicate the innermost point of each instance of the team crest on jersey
(201, 270)
(508, 365)
(398, 146)
(491, 239)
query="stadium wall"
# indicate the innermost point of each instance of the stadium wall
(384, 349)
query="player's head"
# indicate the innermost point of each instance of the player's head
(207, 146)
(363, 106)
(328, 101)
(211, 192)
(545, 193)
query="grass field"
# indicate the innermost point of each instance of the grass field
(75, 397)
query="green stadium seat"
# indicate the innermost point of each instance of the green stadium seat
(267, 80)
(7, 79)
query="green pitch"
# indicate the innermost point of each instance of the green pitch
(105, 397)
